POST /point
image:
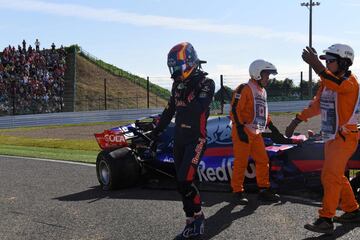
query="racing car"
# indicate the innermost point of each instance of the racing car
(126, 159)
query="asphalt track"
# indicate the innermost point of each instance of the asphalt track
(57, 200)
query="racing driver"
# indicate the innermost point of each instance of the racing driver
(192, 93)
(337, 101)
(249, 116)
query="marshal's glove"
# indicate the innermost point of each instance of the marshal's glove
(291, 128)
(242, 134)
(273, 129)
(310, 56)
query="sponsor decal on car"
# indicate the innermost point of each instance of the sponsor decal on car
(222, 172)
(125, 130)
(111, 139)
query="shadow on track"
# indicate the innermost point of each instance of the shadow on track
(224, 217)
(209, 197)
(215, 223)
(95, 193)
(340, 231)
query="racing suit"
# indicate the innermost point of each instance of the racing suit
(249, 117)
(190, 101)
(336, 100)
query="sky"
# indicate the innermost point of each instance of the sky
(136, 35)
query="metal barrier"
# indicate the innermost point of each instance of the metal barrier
(115, 115)
(75, 117)
(287, 106)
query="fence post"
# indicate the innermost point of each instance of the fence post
(105, 100)
(148, 89)
(301, 85)
(137, 101)
(222, 101)
(13, 95)
(118, 100)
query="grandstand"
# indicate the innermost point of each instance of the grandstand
(68, 79)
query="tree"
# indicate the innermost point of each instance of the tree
(287, 86)
(225, 93)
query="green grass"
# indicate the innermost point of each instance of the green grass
(155, 89)
(49, 153)
(78, 150)
(117, 123)
(85, 145)
(283, 114)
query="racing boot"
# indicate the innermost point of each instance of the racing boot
(194, 228)
(349, 217)
(188, 230)
(321, 225)
(267, 195)
(239, 197)
(199, 224)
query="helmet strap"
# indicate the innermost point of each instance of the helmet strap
(343, 65)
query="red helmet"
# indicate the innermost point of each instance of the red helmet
(182, 61)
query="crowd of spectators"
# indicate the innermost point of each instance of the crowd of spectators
(31, 80)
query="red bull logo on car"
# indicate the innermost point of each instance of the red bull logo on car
(222, 172)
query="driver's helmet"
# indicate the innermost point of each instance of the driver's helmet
(259, 65)
(182, 61)
(343, 53)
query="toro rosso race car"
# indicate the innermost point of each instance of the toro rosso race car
(126, 158)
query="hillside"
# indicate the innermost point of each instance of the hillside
(121, 93)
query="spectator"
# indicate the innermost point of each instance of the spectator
(24, 45)
(38, 77)
(37, 45)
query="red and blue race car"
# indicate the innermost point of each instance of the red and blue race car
(126, 159)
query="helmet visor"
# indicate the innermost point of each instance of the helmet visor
(329, 56)
(176, 71)
(270, 71)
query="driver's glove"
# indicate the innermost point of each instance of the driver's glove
(291, 128)
(242, 134)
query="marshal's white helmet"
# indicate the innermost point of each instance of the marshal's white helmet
(339, 51)
(259, 65)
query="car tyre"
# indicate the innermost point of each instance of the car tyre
(116, 173)
(355, 184)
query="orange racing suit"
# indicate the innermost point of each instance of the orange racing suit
(249, 109)
(336, 100)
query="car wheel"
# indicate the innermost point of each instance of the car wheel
(355, 184)
(115, 173)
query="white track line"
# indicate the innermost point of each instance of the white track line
(50, 160)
